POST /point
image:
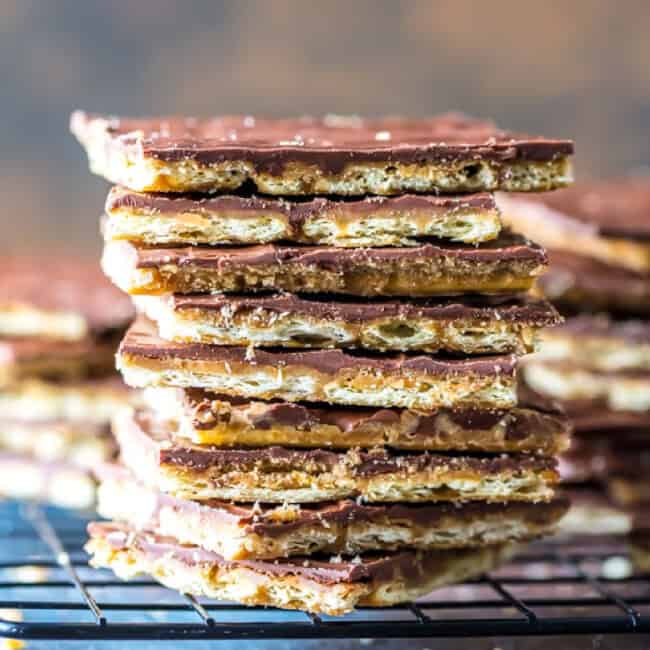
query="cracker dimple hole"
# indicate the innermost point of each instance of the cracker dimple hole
(473, 334)
(472, 170)
(310, 339)
(397, 330)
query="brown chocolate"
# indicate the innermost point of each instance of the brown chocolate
(60, 284)
(617, 208)
(579, 282)
(507, 247)
(585, 461)
(30, 358)
(297, 211)
(17, 350)
(176, 451)
(142, 341)
(628, 455)
(532, 419)
(328, 572)
(603, 326)
(516, 309)
(330, 144)
(595, 415)
(264, 520)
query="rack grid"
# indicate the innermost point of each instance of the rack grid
(570, 587)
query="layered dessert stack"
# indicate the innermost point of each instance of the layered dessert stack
(598, 362)
(60, 324)
(326, 426)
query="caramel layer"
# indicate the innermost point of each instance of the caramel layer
(506, 265)
(274, 474)
(237, 219)
(333, 376)
(239, 531)
(208, 418)
(466, 326)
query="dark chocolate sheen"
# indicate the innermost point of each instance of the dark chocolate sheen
(176, 451)
(603, 326)
(317, 569)
(296, 211)
(523, 310)
(263, 519)
(601, 284)
(329, 143)
(539, 418)
(617, 208)
(60, 284)
(508, 247)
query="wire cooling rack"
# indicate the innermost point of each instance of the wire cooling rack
(47, 591)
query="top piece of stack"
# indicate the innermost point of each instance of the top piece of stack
(327, 375)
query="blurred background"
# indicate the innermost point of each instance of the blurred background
(578, 68)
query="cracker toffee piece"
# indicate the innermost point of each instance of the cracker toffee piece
(592, 512)
(533, 426)
(505, 265)
(81, 443)
(594, 415)
(332, 586)
(607, 221)
(93, 401)
(59, 298)
(576, 283)
(161, 459)
(306, 156)
(182, 219)
(621, 390)
(240, 531)
(585, 461)
(627, 469)
(600, 343)
(465, 325)
(60, 483)
(53, 359)
(333, 376)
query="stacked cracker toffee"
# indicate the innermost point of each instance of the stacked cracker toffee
(598, 362)
(60, 324)
(331, 316)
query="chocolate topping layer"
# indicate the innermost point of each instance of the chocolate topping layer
(330, 143)
(591, 284)
(594, 415)
(507, 247)
(602, 326)
(532, 415)
(617, 208)
(142, 341)
(363, 569)
(17, 350)
(60, 284)
(297, 211)
(265, 520)
(518, 309)
(176, 451)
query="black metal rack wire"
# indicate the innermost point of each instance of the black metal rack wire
(47, 591)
